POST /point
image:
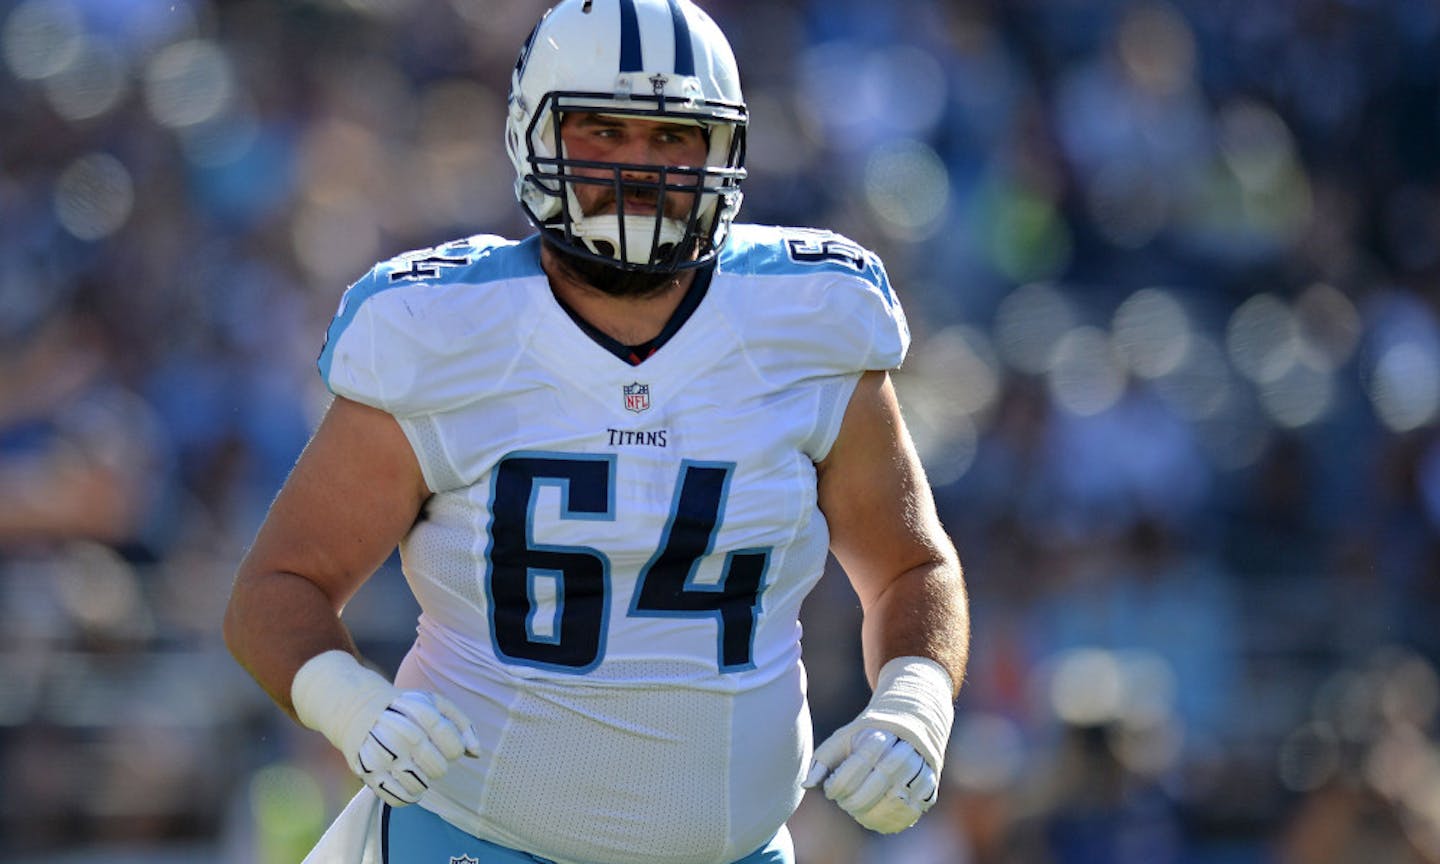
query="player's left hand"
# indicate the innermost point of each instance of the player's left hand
(883, 767)
(876, 777)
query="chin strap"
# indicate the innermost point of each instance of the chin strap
(638, 232)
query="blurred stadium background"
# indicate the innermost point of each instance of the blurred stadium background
(1172, 269)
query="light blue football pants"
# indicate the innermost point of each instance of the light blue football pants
(414, 835)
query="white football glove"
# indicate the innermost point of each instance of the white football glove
(883, 767)
(397, 741)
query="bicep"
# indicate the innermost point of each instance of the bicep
(874, 495)
(354, 493)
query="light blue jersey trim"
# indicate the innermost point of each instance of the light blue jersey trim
(779, 251)
(474, 260)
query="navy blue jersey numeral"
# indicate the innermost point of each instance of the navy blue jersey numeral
(428, 266)
(827, 250)
(575, 640)
(571, 636)
(667, 584)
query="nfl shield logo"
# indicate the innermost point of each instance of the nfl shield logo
(464, 859)
(637, 397)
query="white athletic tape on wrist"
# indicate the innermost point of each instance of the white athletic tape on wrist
(337, 697)
(914, 698)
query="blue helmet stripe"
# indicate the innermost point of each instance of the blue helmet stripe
(631, 57)
(684, 51)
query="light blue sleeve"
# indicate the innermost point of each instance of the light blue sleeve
(407, 337)
(828, 300)
(347, 360)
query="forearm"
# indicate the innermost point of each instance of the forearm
(923, 612)
(275, 622)
(397, 742)
(884, 766)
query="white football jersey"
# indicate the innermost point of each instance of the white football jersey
(611, 568)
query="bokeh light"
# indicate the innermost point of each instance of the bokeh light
(989, 752)
(948, 385)
(42, 38)
(94, 196)
(223, 138)
(1087, 688)
(1259, 151)
(1200, 386)
(1152, 332)
(188, 83)
(1022, 232)
(859, 95)
(1298, 396)
(907, 187)
(90, 85)
(336, 238)
(1085, 374)
(1329, 324)
(1263, 338)
(1405, 386)
(1029, 322)
(1157, 48)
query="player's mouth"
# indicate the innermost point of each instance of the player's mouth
(638, 206)
(637, 203)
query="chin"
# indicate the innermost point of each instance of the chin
(610, 279)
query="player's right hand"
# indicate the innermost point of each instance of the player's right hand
(398, 742)
(411, 744)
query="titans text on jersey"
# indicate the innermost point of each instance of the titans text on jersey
(646, 438)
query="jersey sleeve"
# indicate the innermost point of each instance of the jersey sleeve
(820, 303)
(815, 311)
(870, 328)
(347, 359)
(377, 347)
(867, 332)
(406, 337)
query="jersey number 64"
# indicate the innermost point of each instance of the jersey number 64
(581, 574)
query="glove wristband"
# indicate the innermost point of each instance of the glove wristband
(337, 697)
(914, 698)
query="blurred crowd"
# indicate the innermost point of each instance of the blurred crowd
(1172, 270)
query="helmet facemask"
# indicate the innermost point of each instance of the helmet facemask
(671, 238)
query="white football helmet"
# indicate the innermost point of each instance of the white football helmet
(653, 59)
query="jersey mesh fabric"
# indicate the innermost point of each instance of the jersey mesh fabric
(446, 562)
(548, 769)
(424, 435)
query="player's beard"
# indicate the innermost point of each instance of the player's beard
(609, 278)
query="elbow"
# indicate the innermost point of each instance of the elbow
(230, 628)
(233, 623)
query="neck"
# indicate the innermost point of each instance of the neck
(630, 319)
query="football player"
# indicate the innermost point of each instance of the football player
(614, 456)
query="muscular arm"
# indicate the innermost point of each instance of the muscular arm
(886, 535)
(353, 494)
